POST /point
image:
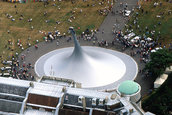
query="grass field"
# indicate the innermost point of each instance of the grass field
(150, 19)
(61, 11)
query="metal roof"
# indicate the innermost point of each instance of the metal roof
(87, 93)
(46, 89)
(37, 112)
(15, 82)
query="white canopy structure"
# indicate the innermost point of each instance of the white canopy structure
(168, 70)
(160, 80)
(93, 67)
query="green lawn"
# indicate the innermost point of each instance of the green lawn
(150, 19)
(21, 29)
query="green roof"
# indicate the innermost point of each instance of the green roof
(128, 87)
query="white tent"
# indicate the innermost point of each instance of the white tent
(168, 70)
(160, 80)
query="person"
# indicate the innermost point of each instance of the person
(31, 27)
(45, 13)
(37, 41)
(106, 44)
(126, 5)
(57, 43)
(103, 31)
(36, 47)
(27, 50)
(32, 77)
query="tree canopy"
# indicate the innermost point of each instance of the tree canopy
(158, 62)
(160, 102)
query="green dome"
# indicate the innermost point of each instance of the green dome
(128, 87)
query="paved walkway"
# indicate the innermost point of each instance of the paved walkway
(107, 25)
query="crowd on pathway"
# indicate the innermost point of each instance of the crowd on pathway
(22, 71)
(18, 70)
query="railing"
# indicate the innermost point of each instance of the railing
(24, 102)
(13, 95)
(59, 104)
(41, 106)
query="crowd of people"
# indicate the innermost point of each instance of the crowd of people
(19, 68)
(22, 71)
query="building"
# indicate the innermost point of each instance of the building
(131, 90)
(60, 97)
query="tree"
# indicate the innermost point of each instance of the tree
(158, 62)
(160, 101)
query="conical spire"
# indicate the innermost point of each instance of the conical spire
(77, 52)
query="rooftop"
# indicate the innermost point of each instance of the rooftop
(50, 99)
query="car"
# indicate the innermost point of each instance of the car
(127, 12)
(5, 68)
(156, 49)
(129, 36)
(6, 74)
(149, 39)
(7, 62)
(135, 41)
(2, 68)
(153, 50)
